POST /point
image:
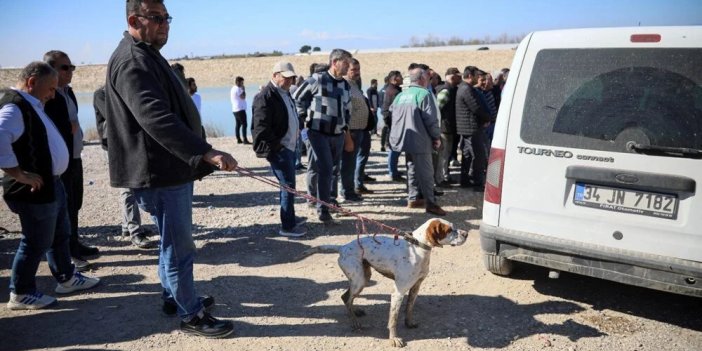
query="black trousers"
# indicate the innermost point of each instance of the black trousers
(72, 181)
(240, 117)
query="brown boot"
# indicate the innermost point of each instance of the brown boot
(416, 203)
(435, 209)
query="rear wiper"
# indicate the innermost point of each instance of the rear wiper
(656, 150)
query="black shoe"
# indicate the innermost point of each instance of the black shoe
(353, 198)
(325, 217)
(363, 190)
(399, 178)
(367, 178)
(170, 308)
(438, 193)
(207, 326)
(141, 241)
(88, 251)
(382, 149)
(246, 141)
(479, 188)
(238, 141)
(444, 184)
(300, 167)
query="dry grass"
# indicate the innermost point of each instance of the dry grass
(213, 130)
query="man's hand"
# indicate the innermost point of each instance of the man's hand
(32, 179)
(221, 159)
(348, 142)
(436, 144)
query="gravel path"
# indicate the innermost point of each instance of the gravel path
(277, 303)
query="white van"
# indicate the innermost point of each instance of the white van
(596, 157)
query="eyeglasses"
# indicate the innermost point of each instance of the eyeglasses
(157, 18)
(67, 68)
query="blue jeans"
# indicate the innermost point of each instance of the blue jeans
(298, 153)
(327, 151)
(171, 208)
(362, 159)
(393, 159)
(45, 231)
(348, 164)
(283, 167)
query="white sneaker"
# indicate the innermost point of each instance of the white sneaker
(77, 282)
(29, 301)
(296, 232)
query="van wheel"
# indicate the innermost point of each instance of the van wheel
(497, 264)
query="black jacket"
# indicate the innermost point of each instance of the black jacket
(32, 152)
(153, 129)
(269, 122)
(448, 111)
(99, 106)
(390, 93)
(57, 110)
(470, 115)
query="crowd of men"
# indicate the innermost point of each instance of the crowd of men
(149, 121)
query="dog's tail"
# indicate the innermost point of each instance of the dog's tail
(319, 249)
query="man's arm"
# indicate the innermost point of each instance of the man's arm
(262, 122)
(304, 94)
(11, 128)
(430, 118)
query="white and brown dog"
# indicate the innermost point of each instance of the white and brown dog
(407, 263)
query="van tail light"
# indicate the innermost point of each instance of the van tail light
(493, 181)
(645, 38)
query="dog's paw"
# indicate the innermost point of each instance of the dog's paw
(396, 342)
(411, 325)
(359, 312)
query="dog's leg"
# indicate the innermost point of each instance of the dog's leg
(395, 304)
(409, 309)
(357, 282)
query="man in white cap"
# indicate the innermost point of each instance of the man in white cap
(275, 132)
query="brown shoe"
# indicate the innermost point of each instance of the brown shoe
(416, 203)
(435, 209)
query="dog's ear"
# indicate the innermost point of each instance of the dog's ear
(437, 231)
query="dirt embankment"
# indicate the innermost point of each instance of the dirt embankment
(221, 72)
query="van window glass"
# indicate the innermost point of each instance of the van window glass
(603, 99)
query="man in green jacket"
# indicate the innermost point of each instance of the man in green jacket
(415, 130)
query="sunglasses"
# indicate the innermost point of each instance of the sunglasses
(157, 18)
(67, 68)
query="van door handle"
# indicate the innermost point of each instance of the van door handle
(640, 180)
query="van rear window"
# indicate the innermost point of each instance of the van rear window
(604, 99)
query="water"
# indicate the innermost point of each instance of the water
(216, 109)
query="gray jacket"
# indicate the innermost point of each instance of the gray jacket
(415, 124)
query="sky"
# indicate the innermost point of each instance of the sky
(89, 30)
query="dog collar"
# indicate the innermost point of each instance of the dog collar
(412, 240)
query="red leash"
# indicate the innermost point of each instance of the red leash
(360, 223)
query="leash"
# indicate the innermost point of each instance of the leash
(361, 220)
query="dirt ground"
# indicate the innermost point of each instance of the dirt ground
(277, 303)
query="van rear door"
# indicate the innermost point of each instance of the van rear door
(603, 141)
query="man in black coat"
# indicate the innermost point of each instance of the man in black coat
(276, 129)
(63, 110)
(471, 120)
(158, 149)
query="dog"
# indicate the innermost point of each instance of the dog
(402, 261)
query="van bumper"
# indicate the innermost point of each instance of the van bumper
(623, 266)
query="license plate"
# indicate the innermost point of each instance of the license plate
(639, 202)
